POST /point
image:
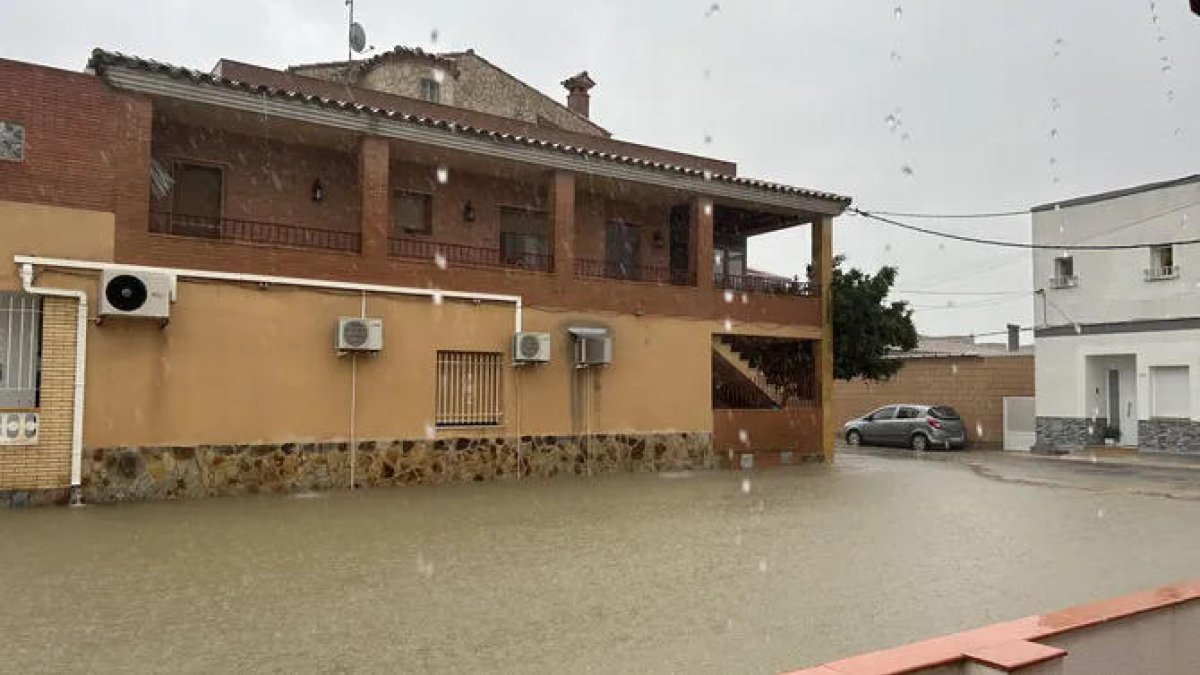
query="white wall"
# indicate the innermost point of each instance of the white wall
(1066, 389)
(1112, 286)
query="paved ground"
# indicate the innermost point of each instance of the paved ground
(718, 572)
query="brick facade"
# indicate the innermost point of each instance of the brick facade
(48, 464)
(974, 386)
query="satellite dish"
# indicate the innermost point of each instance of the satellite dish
(358, 37)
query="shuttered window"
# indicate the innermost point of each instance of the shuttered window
(469, 388)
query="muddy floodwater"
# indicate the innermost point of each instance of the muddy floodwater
(707, 572)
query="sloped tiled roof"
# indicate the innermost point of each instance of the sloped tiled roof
(101, 60)
(959, 346)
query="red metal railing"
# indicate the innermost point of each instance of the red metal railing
(461, 254)
(257, 232)
(656, 274)
(771, 285)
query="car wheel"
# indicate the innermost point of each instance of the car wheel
(920, 442)
(853, 438)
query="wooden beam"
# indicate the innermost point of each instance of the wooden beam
(822, 261)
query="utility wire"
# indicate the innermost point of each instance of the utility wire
(996, 214)
(1021, 244)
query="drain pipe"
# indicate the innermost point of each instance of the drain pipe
(81, 320)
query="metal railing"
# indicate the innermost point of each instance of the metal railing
(461, 254)
(656, 274)
(1064, 281)
(1162, 273)
(253, 231)
(470, 389)
(761, 284)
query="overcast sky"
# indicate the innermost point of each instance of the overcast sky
(797, 91)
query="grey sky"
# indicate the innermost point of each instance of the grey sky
(796, 91)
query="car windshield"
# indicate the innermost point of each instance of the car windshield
(944, 412)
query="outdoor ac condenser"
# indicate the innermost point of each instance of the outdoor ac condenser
(593, 346)
(138, 294)
(531, 348)
(359, 334)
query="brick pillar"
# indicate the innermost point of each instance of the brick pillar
(48, 464)
(131, 147)
(701, 239)
(822, 261)
(562, 219)
(374, 184)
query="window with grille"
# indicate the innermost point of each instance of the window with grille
(20, 349)
(431, 91)
(412, 213)
(525, 238)
(469, 389)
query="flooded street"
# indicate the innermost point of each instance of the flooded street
(633, 573)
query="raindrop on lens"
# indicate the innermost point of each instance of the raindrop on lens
(743, 436)
(437, 298)
(728, 296)
(745, 298)
(906, 170)
(762, 565)
(746, 485)
(898, 12)
(439, 259)
(1053, 134)
(728, 325)
(439, 75)
(430, 430)
(433, 36)
(708, 209)
(443, 175)
(707, 174)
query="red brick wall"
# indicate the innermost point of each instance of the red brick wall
(71, 143)
(268, 180)
(593, 212)
(976, 387)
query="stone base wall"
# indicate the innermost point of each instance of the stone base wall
(1181, 436)
(128, 474)
(17, 499)
(1060, 434)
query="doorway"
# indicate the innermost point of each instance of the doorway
(622, 250)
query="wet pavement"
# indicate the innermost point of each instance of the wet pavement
(705, 572)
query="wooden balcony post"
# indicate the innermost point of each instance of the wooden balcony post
(822, 261)
(373, 181)
(701, 238)
(562, 219)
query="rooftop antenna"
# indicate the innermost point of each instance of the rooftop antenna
(357, 38)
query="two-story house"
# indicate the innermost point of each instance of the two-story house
(408, 269)
(1118, 329)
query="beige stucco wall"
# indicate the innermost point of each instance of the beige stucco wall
(404, 79)
(238, 364)
(51, 231)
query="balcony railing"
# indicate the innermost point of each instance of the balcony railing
(655, 274)
(761, 284)
(252, 231)
(1162, 273)
(1064, 281)
(461, 254)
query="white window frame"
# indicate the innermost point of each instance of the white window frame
(20, 350)
(470, 389)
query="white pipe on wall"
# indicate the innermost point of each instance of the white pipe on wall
(64, 263)
(81, 319)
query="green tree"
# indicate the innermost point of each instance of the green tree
(866, 327)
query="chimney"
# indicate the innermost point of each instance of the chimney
(578, 99)
(1014, 337)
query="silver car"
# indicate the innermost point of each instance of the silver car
(920, 427)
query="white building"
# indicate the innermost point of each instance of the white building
(1118, 331)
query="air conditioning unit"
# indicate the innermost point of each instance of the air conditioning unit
(593, 347)
(18, 428)
(531, 348)
(359, 335)
(143, 295)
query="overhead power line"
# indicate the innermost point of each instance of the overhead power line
(1022, 244)
(995, 214)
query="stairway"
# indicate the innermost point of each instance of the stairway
(736, 372)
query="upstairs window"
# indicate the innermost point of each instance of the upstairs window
(196, 200)
(1064, 272)
(1162, 264)
(12, 141)
(431, 91)
(412, 213)
(525, 238)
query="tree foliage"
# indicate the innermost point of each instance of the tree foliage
(866, 327)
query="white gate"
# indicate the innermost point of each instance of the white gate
(1019, 431)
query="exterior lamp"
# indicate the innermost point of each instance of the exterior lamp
(469, 212)
(318, 191)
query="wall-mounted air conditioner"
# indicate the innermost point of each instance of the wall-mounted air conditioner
(359, 334)
(531, 348)
(143, 295)
(18, 428)
(593, 346)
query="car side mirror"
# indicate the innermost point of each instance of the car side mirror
(869, 418)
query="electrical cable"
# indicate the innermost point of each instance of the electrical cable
(950, 216)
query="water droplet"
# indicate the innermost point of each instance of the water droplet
(1053, 134)
(1154, 18)
(762, 565)
(728, 296)
(979, 429)
(746, 296)
(892, 121)
(1183, 220)
(887, 248)
(1166, 68)
(1099, 513)
(439, 259)
(1054, 104)
(1078, 329)
(950, 304)
(707, 73)
(443, 175)
(707, 174)
(904, 136)
(712, 9)
(728, 325)
(898, 12)
(708, 208)
(1059, 42)
(941, 246)
(743, 437)
(707, 139)
(430, 430)
(1055, 180)
(954, 368)
(895, 56)
(437, 297)
(1162, 38)
(439, 75)
(1170, 96)
(1053, 161)
(1178, 131)
(433, 36)
(907, 170)
(746, 486)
